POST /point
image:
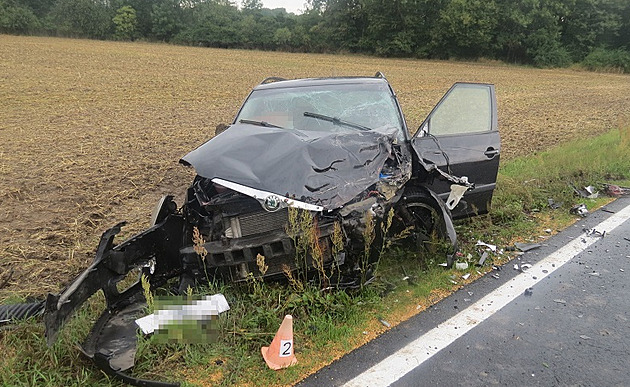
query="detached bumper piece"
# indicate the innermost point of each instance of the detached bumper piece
(113, 340)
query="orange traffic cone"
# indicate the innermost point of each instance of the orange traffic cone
(280, 353)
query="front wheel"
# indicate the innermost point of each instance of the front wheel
(426, 228)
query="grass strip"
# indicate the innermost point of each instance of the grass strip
(329, 324)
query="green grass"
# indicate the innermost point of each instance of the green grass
(525, 183)
(329, 324)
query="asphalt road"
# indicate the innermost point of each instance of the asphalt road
(563, 322)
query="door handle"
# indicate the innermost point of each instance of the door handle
(491, 152)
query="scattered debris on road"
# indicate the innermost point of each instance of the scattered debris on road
(594, 232)
(589, 192)
(579, 209)
(483, 258)
(525, 247)
(461, 265)
(553, 205)
(491, 247)
(615, 190)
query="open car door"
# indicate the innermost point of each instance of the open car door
(460, 136)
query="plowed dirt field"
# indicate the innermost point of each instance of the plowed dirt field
(91, 132)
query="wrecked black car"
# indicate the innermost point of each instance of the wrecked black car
(336, 148)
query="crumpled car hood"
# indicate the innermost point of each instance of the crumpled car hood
(326, 169)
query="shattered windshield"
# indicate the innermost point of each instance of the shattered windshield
(328, 108)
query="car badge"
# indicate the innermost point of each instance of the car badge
(271, 203)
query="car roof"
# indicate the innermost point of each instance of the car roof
(279, 83)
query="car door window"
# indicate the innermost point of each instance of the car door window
(467, 108)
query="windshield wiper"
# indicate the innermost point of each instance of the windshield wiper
(270, 125)
(260, 123)
(336, 121)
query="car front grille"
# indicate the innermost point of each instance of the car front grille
(259, 222)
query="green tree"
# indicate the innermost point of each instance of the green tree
(465, 28)
(144, 11)
(530, 31)
(15, 18)
(282, 37)
(167, 19)
(590, 24)
(81, 18)
(251, 5)
(214, 24)
(125, 22)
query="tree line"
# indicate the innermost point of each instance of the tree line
(543, 33)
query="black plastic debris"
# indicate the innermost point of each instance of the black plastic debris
(524, 247)
(594, 232)
(553, 205)
(15, 312)
(529, 292)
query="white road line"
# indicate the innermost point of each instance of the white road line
(418, 351)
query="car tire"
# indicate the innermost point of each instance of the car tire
(417, 210)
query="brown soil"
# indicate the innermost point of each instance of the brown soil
(92, 131)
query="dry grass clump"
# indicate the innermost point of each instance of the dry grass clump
(91, 131)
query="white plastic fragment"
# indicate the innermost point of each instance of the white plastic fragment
(491, 247)
(592, 191)
(465, 276)
(461, 265)
(560, 301)
(579, 209)
(483, 258)
(457, 191)
(196, 311)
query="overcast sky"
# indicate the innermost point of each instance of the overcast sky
(294, 6)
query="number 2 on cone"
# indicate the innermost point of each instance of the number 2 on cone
(286, 348)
